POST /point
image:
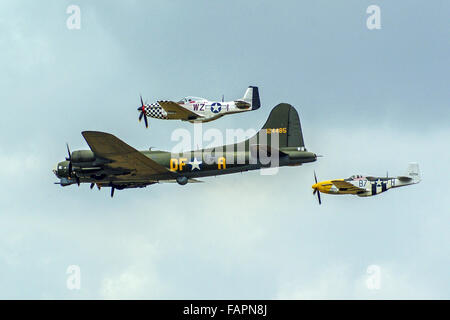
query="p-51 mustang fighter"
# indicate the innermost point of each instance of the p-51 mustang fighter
(113, 163)
(366, 186)
(195, 109)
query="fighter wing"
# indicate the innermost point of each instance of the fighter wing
(123, 156)
(346, 186)
(175, 111)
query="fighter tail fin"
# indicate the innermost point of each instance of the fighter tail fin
(412, 174)
(252, 96)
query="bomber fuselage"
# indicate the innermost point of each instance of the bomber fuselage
(193, 164)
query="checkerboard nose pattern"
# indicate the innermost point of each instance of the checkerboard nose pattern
(154, 110)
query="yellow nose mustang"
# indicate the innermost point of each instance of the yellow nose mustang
(365, 186)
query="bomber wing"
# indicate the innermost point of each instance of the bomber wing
(123, 156)
(175, 111)
(346, 186)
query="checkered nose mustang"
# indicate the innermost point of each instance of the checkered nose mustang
(365, 186)
(195, 109)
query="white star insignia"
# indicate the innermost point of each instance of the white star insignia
(195, 164)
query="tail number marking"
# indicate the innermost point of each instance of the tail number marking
(276, 130)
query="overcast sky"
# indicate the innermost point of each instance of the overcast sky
(370, 101)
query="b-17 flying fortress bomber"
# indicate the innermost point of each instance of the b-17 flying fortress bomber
(195, 109)
(113, 163)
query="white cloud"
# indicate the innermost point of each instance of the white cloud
(332, 283)
(139, 279)
(340, 281)
(18, 165)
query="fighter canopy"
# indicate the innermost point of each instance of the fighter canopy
(191, 99)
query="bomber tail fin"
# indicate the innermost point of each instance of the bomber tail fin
(284, 121)
(281, 130)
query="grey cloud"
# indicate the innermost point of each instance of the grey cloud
(368, 101)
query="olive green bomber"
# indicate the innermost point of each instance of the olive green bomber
(111, 162)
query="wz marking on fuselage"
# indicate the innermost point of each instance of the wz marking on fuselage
(199, 107)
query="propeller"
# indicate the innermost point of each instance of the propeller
(143, 115)
(69, 158)
(316, 190)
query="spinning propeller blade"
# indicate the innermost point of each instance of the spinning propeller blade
(69, 158)
(142, 114)
(316, 190)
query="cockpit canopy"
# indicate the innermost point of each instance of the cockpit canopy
(191, 100)
(356, 176)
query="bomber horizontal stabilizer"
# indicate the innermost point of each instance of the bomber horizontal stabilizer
(175, 181)
(264, 150)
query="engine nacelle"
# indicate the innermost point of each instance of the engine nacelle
(83, 156)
